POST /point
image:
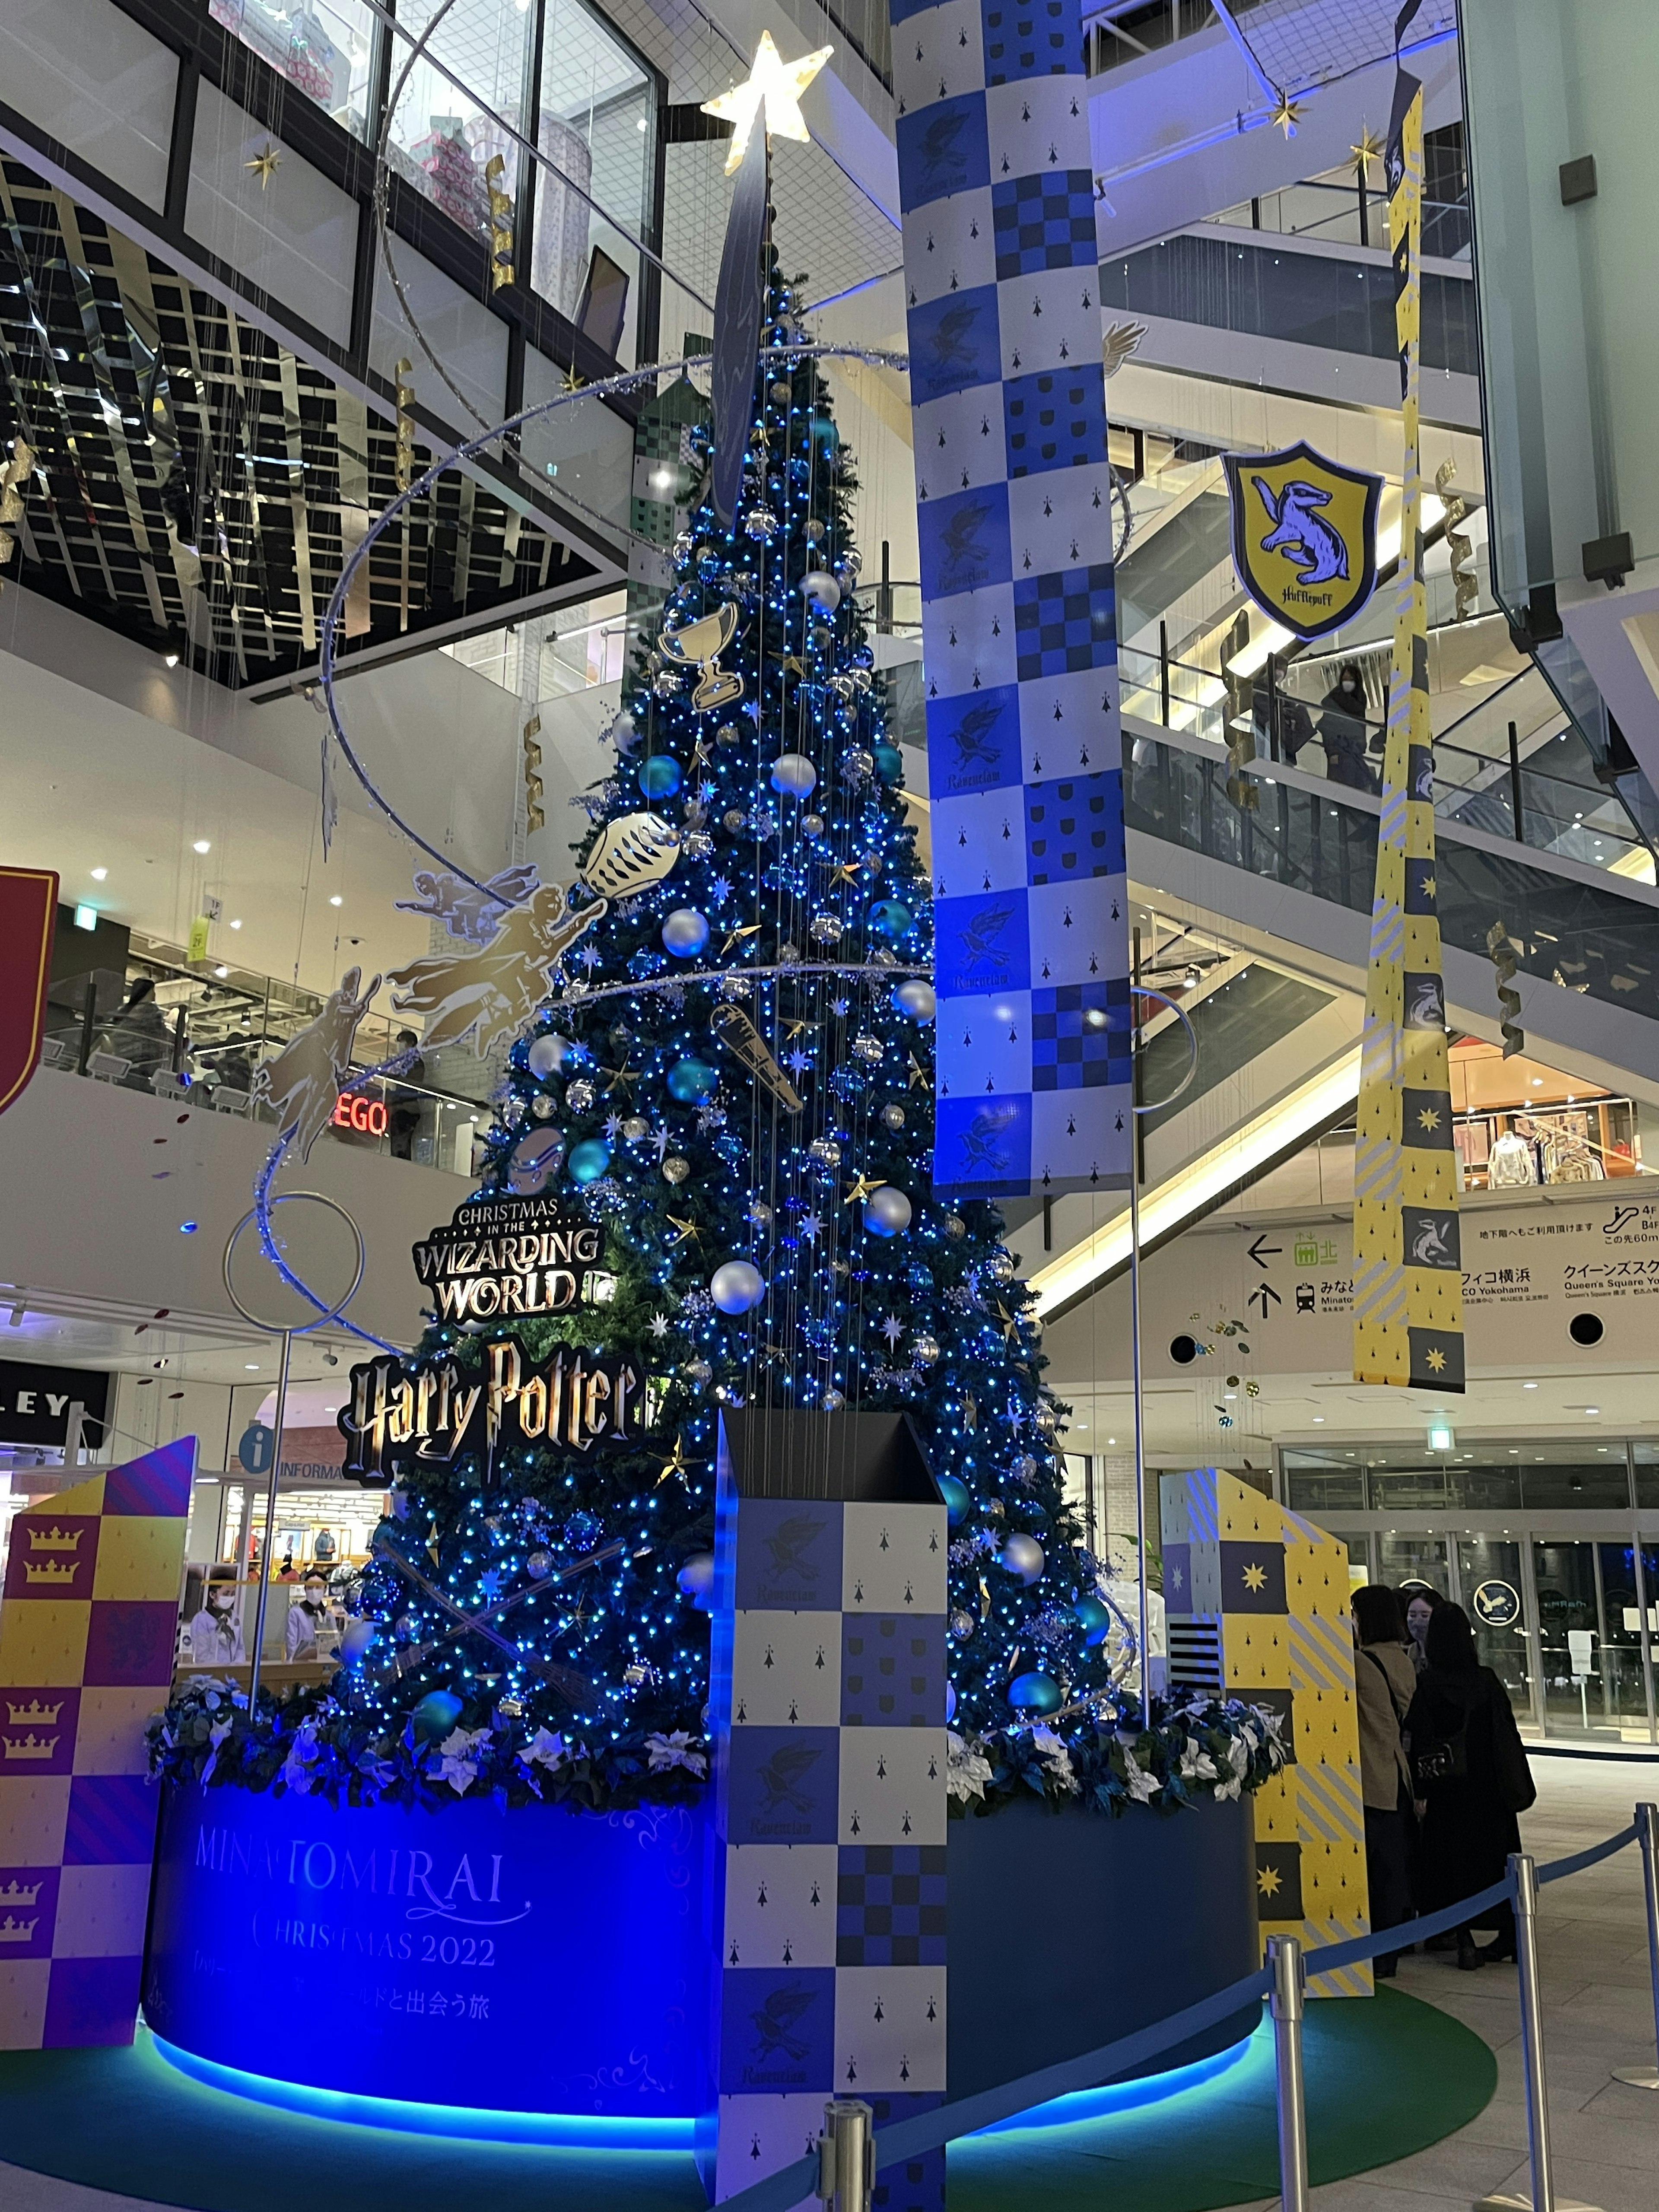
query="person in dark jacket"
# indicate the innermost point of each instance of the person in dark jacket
(1342, 732)
(1471, 1778)
(1384, 1684)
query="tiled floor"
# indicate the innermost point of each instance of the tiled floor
(1598, 2014)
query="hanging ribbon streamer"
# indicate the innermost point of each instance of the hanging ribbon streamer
(1407, 1280)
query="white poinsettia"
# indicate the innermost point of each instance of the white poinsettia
(1196, 1764)
(458, 1755)
(967, 1768)
(1057, 1759)
(676, 1750)
(1141, 1786)
(548, 1750)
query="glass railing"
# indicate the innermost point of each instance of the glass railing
(1320, 837)
(203, 1036)
(1341, 215)
(1544, 792)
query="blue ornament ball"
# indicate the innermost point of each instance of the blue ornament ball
(659, 776)
(794, 774)
(436, 1714)
(1035, 1693)
(890, 763)
(685, 932)
(1094, 1618)
(889, 918)
(589, 1160)
(956, 1497)
(914, 998)
(697, 1578)
(691, 1080)
(887, 1211)
(950, 1702)
(355, 1640)
(738, 1287)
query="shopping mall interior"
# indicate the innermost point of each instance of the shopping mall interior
(386, 843)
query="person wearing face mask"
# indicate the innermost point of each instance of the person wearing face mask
(306, 1620)
(1342, 732)
(215, 1632)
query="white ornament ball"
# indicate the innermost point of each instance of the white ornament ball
(833, 1401)
(915, 998)
(548, 1054)
(738, 1287)
(794, 774)
(819, 586)
(356, 1638)
(697, 1576)
(887, 1211)
(624, 733)
(685, 932)
(1022, 1556)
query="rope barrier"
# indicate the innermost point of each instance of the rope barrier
(926, 2132)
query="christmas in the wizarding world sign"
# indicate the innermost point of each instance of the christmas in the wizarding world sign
(502, 1259)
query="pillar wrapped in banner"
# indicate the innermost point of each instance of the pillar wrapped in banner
(1256, 1602)
(1407, 1271)
(88, 1627)
(827, 1709)
(1013, 491)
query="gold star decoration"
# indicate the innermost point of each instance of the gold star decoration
(1009, 1325)
(1267, 1881)
(774, 85)
(861, 1188)
(1437, 1359)
(1429, 1119)
(917, 1075)
(1431, 889)
(1369, 147)
(792, 1030)
(675, 1463)
(689, 1230)
(621, 1079)
(846, 873)
(1288, 114)
(1255, 1577)
(744, 929)
(793, 662)
(264, 164)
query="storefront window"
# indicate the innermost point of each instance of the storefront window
(1647, 1474)
(596, 122)
(442, 139)
(325, 48)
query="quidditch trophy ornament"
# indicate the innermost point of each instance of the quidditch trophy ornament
(699, 645)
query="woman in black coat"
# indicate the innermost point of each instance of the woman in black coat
(1342, 732)
(1471, 1778)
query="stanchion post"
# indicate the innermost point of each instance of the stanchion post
(847, 2156)
(1647, 1834)
(1540, 2166)
(1286, 2005)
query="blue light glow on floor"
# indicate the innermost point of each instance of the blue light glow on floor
(1128, 2096)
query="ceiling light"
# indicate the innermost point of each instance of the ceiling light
(170, 659)
(201, 846)
(1111, 1440)
(222, 972)
(1538, 1083)
(1528, 1386)
(99, 875)
(252, 1366)
(1319, 1423)
(236, 924)
(640, 124)
(1592, 1410)
(336, 900)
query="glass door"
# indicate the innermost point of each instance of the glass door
(1493, 1594)
(1589, 1640)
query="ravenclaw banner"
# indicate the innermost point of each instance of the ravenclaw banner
(1407, 1280)
(1304, 536)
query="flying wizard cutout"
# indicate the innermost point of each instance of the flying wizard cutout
(1304, 536)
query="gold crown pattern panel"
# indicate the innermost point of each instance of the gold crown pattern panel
(1256, 1602)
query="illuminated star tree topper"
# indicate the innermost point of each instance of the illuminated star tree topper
(774, 84)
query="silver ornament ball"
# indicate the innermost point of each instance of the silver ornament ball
(793, 773)
(1022, 1556)
(820, 588)
(887, 1211)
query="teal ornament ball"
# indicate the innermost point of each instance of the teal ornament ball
(890, 763)
(1094, 1618)
(659, 776)
(436, 1714)
(589, 1160)
(1035, 1693)
(685, 932)
(691, 1080)
(956, 1498)
(889, 918)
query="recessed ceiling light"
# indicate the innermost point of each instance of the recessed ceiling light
(1592, 1409)
(236, 924)
(252, 1366)
(1319, 1423)
(1528, 1386)
(100, 874)
(201, 846)
(336, 900)
(170, 659)
(1111, 1440)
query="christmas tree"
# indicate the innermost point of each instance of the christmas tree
(733, 1081)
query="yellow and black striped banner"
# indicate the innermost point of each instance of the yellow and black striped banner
(1407, 1282)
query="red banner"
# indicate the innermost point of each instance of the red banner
(28, 917)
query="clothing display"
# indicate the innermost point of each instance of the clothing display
(1511, 1162)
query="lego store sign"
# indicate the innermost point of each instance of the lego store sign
(368, 1117)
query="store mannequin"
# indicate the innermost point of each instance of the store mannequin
(307, 1620)
(215, 1635)
(1512, 1162)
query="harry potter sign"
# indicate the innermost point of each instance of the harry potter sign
(400, 1415)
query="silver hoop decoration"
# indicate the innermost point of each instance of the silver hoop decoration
(260, 1212)
(1164, 999)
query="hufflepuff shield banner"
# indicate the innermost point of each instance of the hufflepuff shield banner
(1304, 536)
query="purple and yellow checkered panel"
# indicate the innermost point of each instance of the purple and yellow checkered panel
(87, 1628)
(1019, 651)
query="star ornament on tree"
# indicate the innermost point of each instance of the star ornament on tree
(774, 84)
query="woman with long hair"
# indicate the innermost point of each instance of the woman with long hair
(1470, 1778)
